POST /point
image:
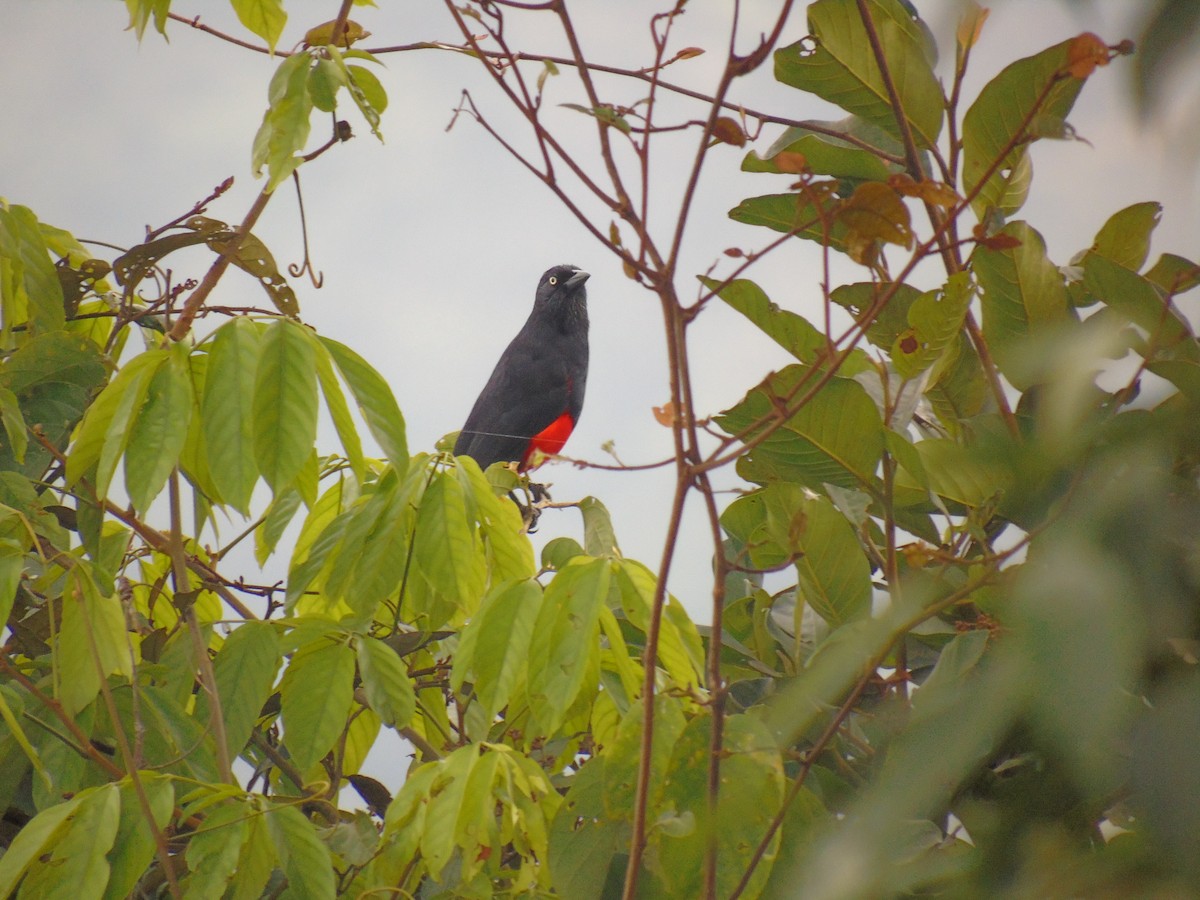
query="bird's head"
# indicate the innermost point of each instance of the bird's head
(561, 294)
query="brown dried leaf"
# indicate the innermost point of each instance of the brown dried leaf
(728, 131)
(875, 212)
(790, 162)
(689, 52)
(1085, 53)
(936, 192)
(970, 25)
(665, 414)
(322, 35)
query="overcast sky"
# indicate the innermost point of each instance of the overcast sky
(431, 243)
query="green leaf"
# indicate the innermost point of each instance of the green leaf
(935, 319)
(565, 640)
(159, 431)
(960, 474)
(680, 652)
(1135, 298)
(285, 127)
(1125, 237)
(14, 424)
(1174, 274)
(585, 843)
(245, 671)
(104, 432)
(842, 68)
(795, 214)
(375, 401)
(279, 514)
(256, 862)
(386, 682)
(212, 853)
(88, 617)
(335, 401)
(789, 330)
(999, 125)
(446, 549)
(890, 320)
(38, 834)
(304, 858)
(509, 551)
(265, 18)
(29, 287)
(493, 648)
(599, 539)
(316, 692)
(76, 866)
(836, 437)
(367, 91)
(133, 847)
(54, 377)
(961, 389)
(228, 410)
(751, 761)
(285, 403)
(827, 155)
(1022, 293)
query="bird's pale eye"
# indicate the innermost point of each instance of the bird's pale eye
(553, 279)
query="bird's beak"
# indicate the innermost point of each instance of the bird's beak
(577, 280)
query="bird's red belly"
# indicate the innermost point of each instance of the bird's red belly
(550, 439)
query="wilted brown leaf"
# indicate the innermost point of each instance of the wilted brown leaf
(936, 192)
(790, 161)
(322, 35)
(689, 52)
(875, 212)
(665, 414)
(1085, 53)
(728, 131)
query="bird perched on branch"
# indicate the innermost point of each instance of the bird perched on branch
(535, 395)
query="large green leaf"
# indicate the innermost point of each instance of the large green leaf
(38, 834)
(316, 692)
(842, 67)
(795, 214)
(245, 671)
(386, 682)
(447, 550)
(585, 844)
(493, 648)
(160, 429)
(53, 377)
(1136, 298)
(228, 410)
(961, 389)
(752, 785)
(212, 853)
(836, 437)
(1029, 99)
(76, 865)
(935, 319)
(1125, 237)
(825, 154)
(29, 287)
(286, 123)
(265, 18)
(335, 402)
(133, 848)
(285, 403)
(375, 401)
(1022, 292)
(303, 856)
(509, 551)
(789, 330)
(565, 640)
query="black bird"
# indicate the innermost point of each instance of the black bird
(533, 400)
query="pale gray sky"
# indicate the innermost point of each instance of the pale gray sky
(431, 243)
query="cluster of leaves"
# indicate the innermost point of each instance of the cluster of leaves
(963, 507)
